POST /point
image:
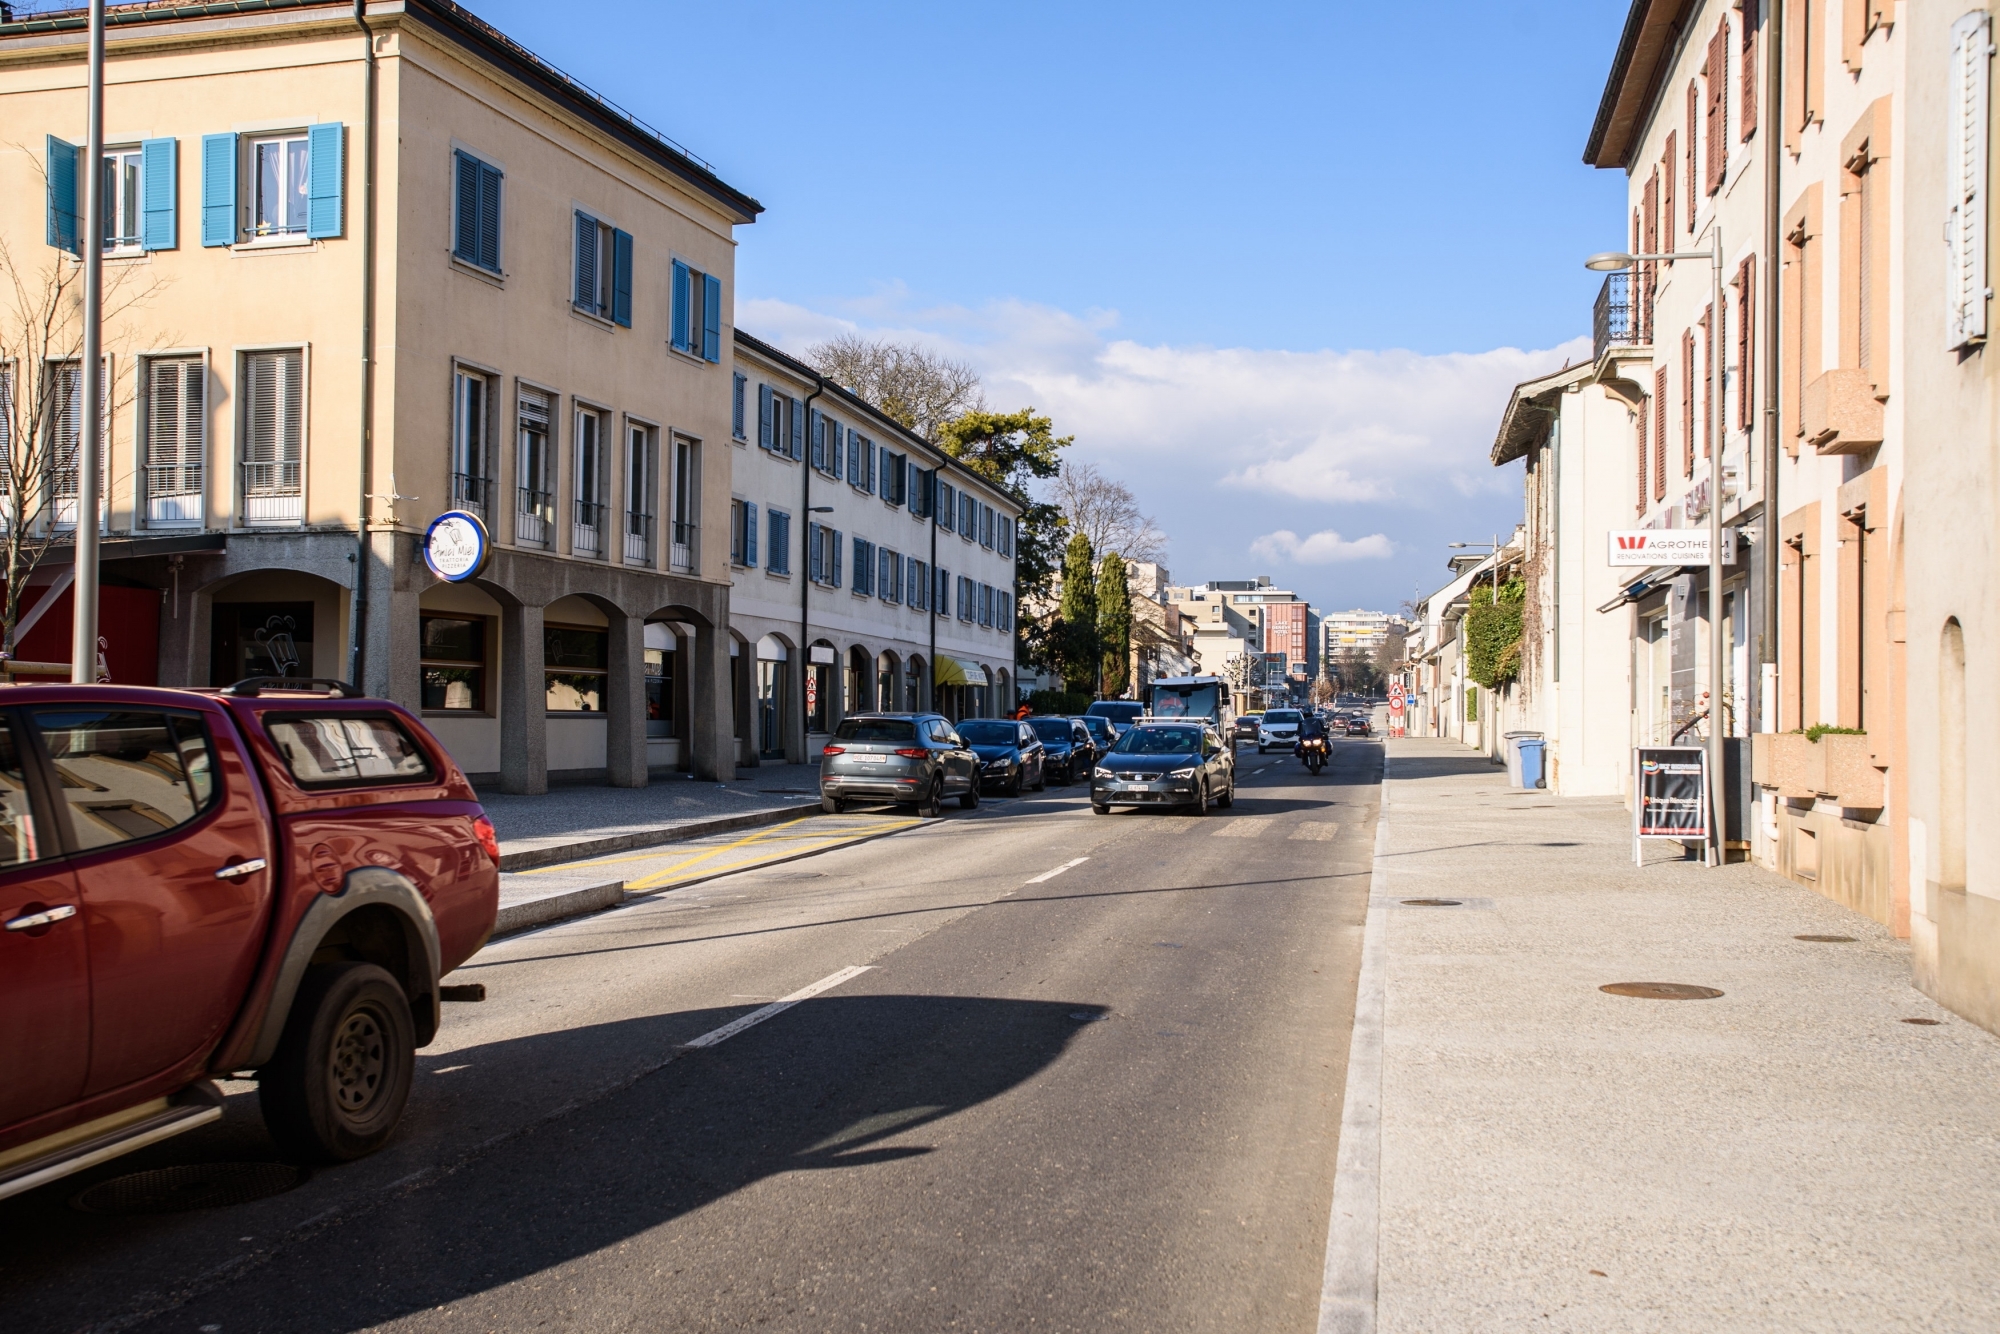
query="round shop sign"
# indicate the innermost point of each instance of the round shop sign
(456, 546)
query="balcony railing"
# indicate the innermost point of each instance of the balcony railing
(471, 492)
(638, 539)
(687, 546)
(587, 533)
(274, 492)
(1614, 319)
(534, 515)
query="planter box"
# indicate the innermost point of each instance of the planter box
(1834, 769)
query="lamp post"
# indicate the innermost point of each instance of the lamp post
(90, 375)
(1614, 261)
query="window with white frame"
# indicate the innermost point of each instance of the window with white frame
(889, 581)
(272, 391)
(176, 439)
(686, 502)
(280, 184)
(121, 200)
(1006, 536)
(743, 533)
(66, 443)
(602, 267)
(534, 502)
(968, 598)
(917, 585)
(642, 482)
(471, 480)
(587, 523)
(736, 405)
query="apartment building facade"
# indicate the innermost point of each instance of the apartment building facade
(366, 269)
(871, 570)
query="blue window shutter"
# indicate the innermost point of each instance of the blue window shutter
(711, 319)
(738, 384)
(818, 440)
(326, 167)
(838, 537)
(218, 189)
(621, 278)
(465, 244)
(798, 416)
(159, 161)
(749, 534)
(489, 218)
(63, 226)
(682, 295)
(586, 261)
(812, 551)
(767, 402)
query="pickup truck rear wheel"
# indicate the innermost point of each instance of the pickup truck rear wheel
(336, 1088)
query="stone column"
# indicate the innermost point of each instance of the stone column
(625, 702)
(391, 648)
(524, 712)
(711, 720)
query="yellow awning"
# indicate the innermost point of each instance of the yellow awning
(948, 671)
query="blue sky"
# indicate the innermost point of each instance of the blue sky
(1275, 266)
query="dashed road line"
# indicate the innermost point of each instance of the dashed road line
(1050, 875)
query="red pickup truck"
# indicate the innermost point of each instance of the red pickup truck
(195, 885)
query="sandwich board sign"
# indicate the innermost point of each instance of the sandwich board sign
(1669, 795)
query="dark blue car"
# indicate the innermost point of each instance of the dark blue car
(1068, 749)
(1010, 754)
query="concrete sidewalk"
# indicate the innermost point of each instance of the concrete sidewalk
(1790, 1156)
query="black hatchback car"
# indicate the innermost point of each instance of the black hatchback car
(1068, 749)
(1165, 764)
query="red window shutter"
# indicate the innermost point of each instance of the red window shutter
(1717, 73)
(1709, 346)
(1660, 434)
(1667, 165)
(1746, 339)
(1694, 137)
(1747, 105)
(1648, 268)
(1643, 404)
(1687, 402)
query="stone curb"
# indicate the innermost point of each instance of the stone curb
(552, 854)
(516, 917)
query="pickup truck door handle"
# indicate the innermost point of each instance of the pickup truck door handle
(250, 867)
(46, 917)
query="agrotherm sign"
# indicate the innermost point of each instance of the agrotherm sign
(1668, 546)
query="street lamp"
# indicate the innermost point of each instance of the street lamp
(1613, 261)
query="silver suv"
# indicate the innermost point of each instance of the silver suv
(913, 758)
(1278, 727)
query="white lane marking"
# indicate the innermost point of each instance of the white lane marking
(1255, 772)
(776, 1007)
(1350, 1283)
(1316, 831)
(1050, 875)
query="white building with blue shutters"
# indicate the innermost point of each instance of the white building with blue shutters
(871, 570)
(365, 269)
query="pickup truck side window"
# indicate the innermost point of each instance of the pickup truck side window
(126, 773)
(19, 840)
(347, 750)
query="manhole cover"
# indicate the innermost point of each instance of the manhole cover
(1827, 940)
(1927, 1023)
(1661, 991)
(1433, 903)
(174, 1190)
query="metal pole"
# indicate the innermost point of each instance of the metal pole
(1715, 640)
(90, 375)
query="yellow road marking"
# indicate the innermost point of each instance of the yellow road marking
(774, 833)
(829, 837)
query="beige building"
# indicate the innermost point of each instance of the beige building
(367, 272)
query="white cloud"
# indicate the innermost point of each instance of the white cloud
(1325, 547)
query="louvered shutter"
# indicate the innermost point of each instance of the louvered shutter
(1965, 225)
(466, 243)
(621, 278)
(1660, 433)
(1746, 340)
(274, 431)
(813, 562)
(749, 534)
(1717, 72)
(818, 440)
(1746, 105)
(1693, 157)
(1667, 165)
(855, 472)
(586, 261)
(489, 218)
(711, 318)
(159, 162)
(683, 298)
(63, 227)
(326, 175)
(834, 446)
(6, 428)
(798, 420)
(766, 434)
(218, 189)
(838, 538)
(737, 384)
(175, 439)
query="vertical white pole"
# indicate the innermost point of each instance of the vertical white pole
(90, 375)
(1718, 358)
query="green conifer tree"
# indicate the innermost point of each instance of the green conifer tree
(1079, 616)
(1114, 625)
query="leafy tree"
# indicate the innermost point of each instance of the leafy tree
(1012, 450)
(1114, 624)
(1080, 644)
(1493, 633)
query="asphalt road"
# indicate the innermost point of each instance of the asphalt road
(1090, 1079)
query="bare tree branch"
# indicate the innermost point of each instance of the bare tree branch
(908, 384)
(1106, 512)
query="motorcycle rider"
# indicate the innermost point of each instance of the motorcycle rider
(1311, 727)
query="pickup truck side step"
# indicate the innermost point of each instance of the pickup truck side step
(194, 1106)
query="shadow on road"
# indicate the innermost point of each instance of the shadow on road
(838, 1084)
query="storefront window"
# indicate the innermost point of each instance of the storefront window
(819, 686)
(261, 639)
(575, 659)
(659, 692)
(454, 662)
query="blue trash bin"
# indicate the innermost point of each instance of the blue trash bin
(1533, 750)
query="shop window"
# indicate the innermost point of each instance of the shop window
(260, 639)
(575, 658)
(454, 663)
(659, 692)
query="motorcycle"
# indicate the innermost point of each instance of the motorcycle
(1313, 750)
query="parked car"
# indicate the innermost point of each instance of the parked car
(1010, 754)
(915, 759)
(1159, 763)
(1279, 728)
(1067, 748)
(1121, 713)
(1246, 727)
(1101, 731)
(270, 878)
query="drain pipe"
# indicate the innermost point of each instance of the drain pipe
(1767, 650)
(358, 613)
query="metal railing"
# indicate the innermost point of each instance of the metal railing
(274, 492)
(1615, 316)
(638, 538)
(587, 532)
(471, 491)
(686, 549)
(534, 515)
